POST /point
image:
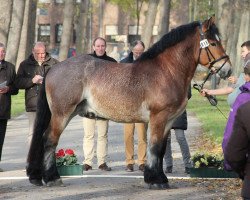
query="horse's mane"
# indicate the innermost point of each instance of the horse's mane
(173, 37)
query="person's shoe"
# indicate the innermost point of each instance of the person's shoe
(130, 168)
(142, 167)
(86, 167)
(1, 170)
(104, 167)
(187, 170)
(169, 169)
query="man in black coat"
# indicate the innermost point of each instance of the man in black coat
(30, 77)
(7, 88)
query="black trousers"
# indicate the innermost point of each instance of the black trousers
(3, 125)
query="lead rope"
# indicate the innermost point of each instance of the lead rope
(212, 100)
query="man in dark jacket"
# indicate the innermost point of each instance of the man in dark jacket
(7, 78)
(30, 76)
(137, 48)
(179, 126)
(99, 46)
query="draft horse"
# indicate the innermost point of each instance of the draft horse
(153, 89)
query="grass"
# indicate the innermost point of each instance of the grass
(17, 104)
(213, 122)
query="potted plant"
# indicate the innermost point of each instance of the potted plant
(66, 163)
(208, 165)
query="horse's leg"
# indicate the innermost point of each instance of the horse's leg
(51, 137)
(153, 174)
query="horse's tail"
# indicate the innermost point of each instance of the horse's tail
(36, 151)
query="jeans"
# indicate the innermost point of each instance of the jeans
(181, 139)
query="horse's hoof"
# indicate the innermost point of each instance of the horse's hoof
(36, 182)
(158, 186)
(57, 182)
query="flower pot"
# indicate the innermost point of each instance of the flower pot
(209, 172)
(69, 170)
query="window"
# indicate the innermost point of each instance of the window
(44, 33)
(58, 33)
(111, 30)
(43, 11)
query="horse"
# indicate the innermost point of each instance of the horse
(151, 90)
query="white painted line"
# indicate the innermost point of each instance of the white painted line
(115, 176)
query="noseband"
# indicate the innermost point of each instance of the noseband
(204, 44)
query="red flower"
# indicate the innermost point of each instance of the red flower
(60, 153)
(69, 152)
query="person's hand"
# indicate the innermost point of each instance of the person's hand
(4, 90)
(37, 79)
(204, 92)
(232, 79)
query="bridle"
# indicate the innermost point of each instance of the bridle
(204, 45)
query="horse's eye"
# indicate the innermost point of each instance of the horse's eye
(213, 44)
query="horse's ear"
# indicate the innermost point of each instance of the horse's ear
(208, 23)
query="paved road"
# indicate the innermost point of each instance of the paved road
(117, 184)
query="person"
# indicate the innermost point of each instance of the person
(137, 48)
(242, 98)
(99, 46)
(179, 126)
(233, 89)
(237, 149)
(30, 76)
(7, 88)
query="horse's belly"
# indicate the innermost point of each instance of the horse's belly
(119, 113)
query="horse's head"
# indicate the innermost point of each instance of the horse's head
(212, 54)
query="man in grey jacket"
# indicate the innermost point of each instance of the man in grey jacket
(30, 76)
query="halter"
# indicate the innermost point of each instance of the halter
(204, 44)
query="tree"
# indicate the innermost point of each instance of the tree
(52, 42)
(15, 30)
(28, 31)
(149, 22)
(67, 28)
(165, 14)
(5, 17)
(83, 26)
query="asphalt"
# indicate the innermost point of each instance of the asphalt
(94, 184)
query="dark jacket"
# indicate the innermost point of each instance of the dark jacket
(128, 59)
(27, 70)
(238, 148)
(104, 57)
(181, 121)
(7, 73)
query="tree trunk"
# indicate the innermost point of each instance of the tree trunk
(5, 17)
(52, 42)
(69, 11)
(15, 30)
(224, 20)
(149, 22)
(28, 32)
(31, 27)
(243, 33)
(23, 40)
(164, 17)
(82, 36)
